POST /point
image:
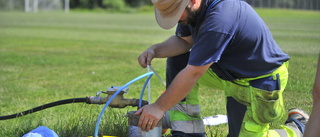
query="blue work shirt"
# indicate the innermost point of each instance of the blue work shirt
(233, 37)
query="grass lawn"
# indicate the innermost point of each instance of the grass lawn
(49, 56)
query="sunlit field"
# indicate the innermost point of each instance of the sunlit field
(49, 56)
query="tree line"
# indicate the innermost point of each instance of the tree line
(289, 4)
(123, 4)
(108, 3)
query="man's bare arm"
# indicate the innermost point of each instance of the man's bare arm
(173, 46)
(179, 89)
(313, 125)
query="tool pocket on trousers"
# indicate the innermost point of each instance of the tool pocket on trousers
(267, 103)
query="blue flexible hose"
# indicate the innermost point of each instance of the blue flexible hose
(142, 91)
(115, 94)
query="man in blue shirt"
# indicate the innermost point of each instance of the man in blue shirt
(222, 44)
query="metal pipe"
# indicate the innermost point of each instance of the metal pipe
(118, 101)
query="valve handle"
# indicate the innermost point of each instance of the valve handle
(98, 93)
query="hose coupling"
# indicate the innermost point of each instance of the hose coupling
(118, 101)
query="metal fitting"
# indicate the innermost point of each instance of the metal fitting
(118, 101)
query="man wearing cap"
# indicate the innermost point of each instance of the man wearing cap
(222, 44)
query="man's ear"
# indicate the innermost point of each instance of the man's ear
(193, 3)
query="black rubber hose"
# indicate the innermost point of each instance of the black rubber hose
(60, 102)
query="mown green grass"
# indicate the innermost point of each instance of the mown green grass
(45, 57)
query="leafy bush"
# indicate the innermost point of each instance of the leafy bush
(138, 3)
(114, 4)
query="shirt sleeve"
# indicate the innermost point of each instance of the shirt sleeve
(183, 30)
(209, 48)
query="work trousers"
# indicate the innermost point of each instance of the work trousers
(250, 110)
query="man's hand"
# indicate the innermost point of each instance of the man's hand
(149, 116)
(146, 57)
(173, 46)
